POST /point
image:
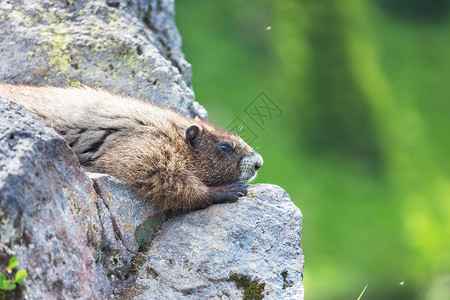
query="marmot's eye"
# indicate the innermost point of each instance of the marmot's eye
(225, 147)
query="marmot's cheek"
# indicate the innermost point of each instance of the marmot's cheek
(249, 165)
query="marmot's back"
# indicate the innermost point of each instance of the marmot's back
(85, 106)
(176, 162)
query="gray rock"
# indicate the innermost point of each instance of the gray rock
(48, 211)
(129, 47)
(258, 237)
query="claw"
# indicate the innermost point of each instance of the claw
(226, 193)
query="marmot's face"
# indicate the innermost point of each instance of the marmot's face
(220, 157)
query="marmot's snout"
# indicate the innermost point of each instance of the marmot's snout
(259, 162)
(249, 164)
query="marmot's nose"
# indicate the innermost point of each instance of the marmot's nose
(258, 162)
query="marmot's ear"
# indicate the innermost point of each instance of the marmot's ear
(193, 135)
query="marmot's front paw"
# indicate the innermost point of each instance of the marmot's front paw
(225, 193)
(228, 193)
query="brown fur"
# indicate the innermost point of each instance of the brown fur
(173, 161)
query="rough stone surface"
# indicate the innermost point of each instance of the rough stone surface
(129, 47)
(48, 210)
(126, 211)
(194, 254)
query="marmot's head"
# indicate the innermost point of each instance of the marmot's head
(219, 157)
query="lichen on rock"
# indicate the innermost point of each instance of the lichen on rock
(128, 47)
(252, 289)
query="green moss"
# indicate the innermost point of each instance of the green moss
(146, 231)
(252, 289)
(5, 296)
(284, 274)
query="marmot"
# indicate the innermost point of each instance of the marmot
(177, 163)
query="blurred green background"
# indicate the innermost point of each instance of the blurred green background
(363, 141)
